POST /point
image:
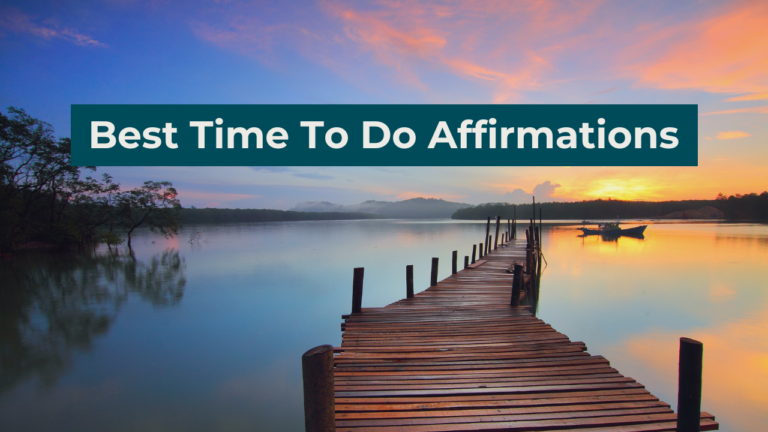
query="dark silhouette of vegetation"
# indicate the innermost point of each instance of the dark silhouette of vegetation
(43, 198)
(216, 215)
(751, 206)
(153, 205)
(596, 209)
(414, 208)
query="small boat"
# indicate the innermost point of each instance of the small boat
(613, 228)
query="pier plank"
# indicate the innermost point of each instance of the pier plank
(458, 357)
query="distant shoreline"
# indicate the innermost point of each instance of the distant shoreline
(216, 215)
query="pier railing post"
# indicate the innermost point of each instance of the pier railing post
(480, 246)
(466, 261)
(357, 290)
(487, 234)
(517, 282)
(454, 262)
(514, 230)
(433, 278)
(319, 403)
(474, 249)
(496, 239)
(689, 385)
(409, 281)
(528, 252)
(488, 247)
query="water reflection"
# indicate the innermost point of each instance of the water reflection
(53, 305)
(631, 300)
(257, 296)
(614, 237)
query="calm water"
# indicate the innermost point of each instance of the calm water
(208, 337)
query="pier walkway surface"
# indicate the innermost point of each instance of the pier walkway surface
(458, 357)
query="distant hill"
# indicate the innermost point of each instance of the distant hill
(216, 215)
(416, 208)
(707, 212)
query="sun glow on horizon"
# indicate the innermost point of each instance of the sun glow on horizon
(623, 189)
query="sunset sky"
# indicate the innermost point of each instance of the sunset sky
(711, 53)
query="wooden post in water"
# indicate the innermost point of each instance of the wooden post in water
(496, 242)
(454, 262)
(433, 278)
(357, 290)
(474, 249)
(488, 246)
(487, 234)
(517, 282)
(528, 251)
(319, 399)
(689, 385)
(541, 230)
(466, 261)
(480, 246)
(409, 281)
(514, 222)
(538, 264)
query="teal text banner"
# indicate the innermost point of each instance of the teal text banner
(385, 135)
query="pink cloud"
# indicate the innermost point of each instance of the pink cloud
(725, 52)
(510, 48)
(16, 22)
(757, 109)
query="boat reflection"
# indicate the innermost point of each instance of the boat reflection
(613, 237)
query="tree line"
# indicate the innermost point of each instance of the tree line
(751, 206)
(217, 215)
(43, 198)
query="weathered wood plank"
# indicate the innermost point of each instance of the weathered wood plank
(458, 357)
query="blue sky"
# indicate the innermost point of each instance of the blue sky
(715, 54)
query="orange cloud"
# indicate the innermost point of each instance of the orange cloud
(749, 97)
(727, 53)
(759, 109)
(509, 48)
(732, 135)
(514, 57)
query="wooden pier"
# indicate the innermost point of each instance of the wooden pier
(459, 357)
